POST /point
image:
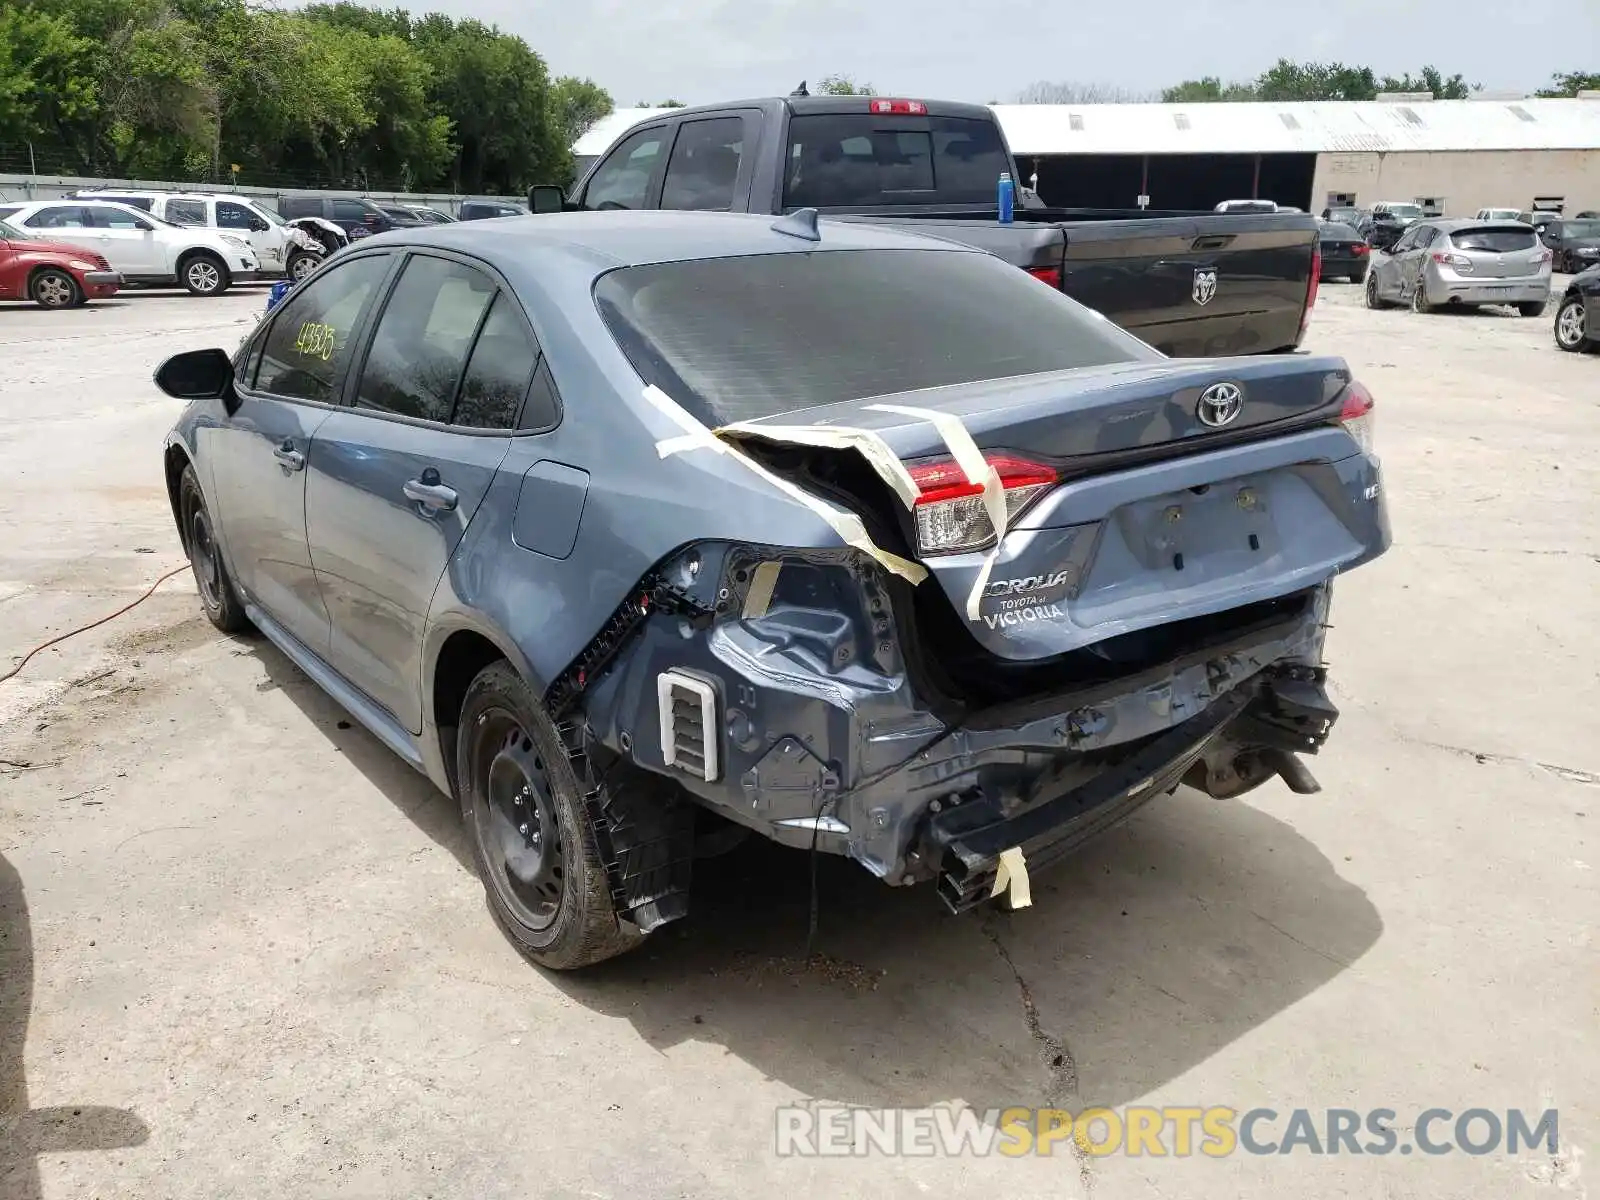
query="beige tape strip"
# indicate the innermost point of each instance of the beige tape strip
(871, 446)
(846, 524)
(970, 459)
(762, 584)
(1011, 877)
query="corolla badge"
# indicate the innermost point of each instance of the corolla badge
(1205, 285)
(1219, 404)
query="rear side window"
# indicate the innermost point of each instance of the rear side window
(59, 216)
(308, 350)
(102, 217)
(704, 165)
(857, 160)
(499, 371)
(186, 212)
(1495, 240)
(423, 338)
(743, 338)
(349, 210)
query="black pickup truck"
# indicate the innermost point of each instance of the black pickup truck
(1191, 284)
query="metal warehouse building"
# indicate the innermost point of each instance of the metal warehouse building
(1453, 156)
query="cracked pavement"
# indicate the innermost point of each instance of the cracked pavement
(242, 952)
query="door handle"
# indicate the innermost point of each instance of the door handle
(289, 456)
(430, 492)
(1215, 241)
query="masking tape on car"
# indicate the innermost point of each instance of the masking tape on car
(763, 582)
(971, 460)
(846, 524)
(871, 446)
(1011, 877)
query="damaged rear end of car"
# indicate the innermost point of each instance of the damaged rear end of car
(1069, 574)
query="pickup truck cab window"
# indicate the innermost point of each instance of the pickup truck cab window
(623, 179)
(309, 347)
(423, 337)
(858, 160)
(704, 166)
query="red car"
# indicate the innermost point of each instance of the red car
(51, 274)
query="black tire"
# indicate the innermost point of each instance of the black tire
(1532, 308)
(1419, 300)
(1374, 301)
(218, 598)
(301, 264)
(1354, 278)
(1571, 315)
(529, 827)
(204, 274)
(51, 287)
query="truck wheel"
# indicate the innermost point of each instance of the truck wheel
(53, 288)
(1532, 308)
(217, 596)
(1569, 326)
(204, 275)
(302, 264)
(528, 823)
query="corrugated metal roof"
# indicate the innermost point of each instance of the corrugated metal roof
(1303, 127)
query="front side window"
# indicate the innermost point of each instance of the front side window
(704, 165)
(423, 338)
(623, 179)
(232, 215)
(308, 350)
(748, 337)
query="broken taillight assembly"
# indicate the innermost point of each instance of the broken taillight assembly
(951, 517)
(1312, 285)
(1357, 415)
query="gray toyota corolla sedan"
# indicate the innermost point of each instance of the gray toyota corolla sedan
(638, 532)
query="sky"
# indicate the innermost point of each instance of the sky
(701, 51)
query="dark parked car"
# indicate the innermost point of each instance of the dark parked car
(484, 210)
(358, 218)
(1578, 313)
(1381, 229)
(1344, 252)
(1190, 283)
(1346, 216)
(1574, 243)
(632, 530)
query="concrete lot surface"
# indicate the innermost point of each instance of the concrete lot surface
(242, 952)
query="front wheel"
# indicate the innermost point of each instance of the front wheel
(529, 826)
(1419, 299)
(302, 264)
(54, 288)
(217, 596)
(1373, 299)
(1532, 308)
(1570, 319)
(205, 275)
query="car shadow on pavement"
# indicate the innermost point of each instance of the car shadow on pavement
(1143, 955)
(26, 1133)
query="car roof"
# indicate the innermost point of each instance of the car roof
(635, 238)
(1455, 224)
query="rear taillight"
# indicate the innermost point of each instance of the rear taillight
(1050, 275)
(1546, 257)
(1358, 415)
(1359, 248)
(903, 108)
(1458, 262)
(951, 517)
(1311, 289)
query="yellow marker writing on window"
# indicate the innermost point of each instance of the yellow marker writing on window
(315, 340)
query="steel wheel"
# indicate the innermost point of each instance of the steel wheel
(203, 558)
(519, 837)
(218, 599)
(54, 289)
(1569, 325)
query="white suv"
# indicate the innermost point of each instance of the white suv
(142, 246)
(280, 249)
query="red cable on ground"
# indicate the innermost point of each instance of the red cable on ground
(149, 591)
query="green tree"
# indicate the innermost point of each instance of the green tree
(1286, 80)
(1207, 89)
(1571, 83)
(576, 104)
(843, 85)
(1430, 80)
(46, 75)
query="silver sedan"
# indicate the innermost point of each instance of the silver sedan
(1462, 263)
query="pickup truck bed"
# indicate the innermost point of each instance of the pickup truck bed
(1191, 284)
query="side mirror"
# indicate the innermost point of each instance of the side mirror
(198, 375)
(257, 225)
(546, 198)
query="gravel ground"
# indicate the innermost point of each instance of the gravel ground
(242, 952)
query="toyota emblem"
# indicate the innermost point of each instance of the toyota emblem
(1219, 404)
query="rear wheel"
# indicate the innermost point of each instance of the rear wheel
(204, 275)
(221, 603)
(529, 826)
(54, 288)
(1532, 308)
(1419, 299)
(1570, 334)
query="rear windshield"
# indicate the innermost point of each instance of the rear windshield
(1333, 231)
(1581, 229)
(737, 339)
(844, 160)
(1504, 239)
